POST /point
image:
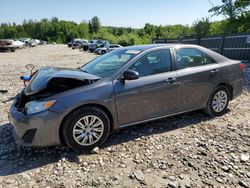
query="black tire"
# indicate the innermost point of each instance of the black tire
(85, 48)
(103, 52)
(210, 109)
(74, 117)
(12, 49)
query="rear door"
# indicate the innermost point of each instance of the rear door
(196, 74)
(150, 96)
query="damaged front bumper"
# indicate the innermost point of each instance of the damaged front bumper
(41, 129)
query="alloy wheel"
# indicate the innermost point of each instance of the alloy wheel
(88, 130)
(219, 101)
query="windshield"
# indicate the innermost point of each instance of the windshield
(107, 64)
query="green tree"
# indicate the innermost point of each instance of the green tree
(218, 27)
(159, 31)
(1, 32)
(235, 11)
(94, 25)
(150, 30)
(201, 27)
(231, 9)
(83, 30)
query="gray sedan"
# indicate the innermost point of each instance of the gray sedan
(81, 107)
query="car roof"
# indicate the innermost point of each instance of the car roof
(152, 46)
(214, 55)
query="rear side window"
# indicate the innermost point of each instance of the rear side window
(155, 62)
(189, 57)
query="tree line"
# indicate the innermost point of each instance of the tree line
(235, 12)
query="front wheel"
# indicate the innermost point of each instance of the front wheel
(86, 128)
(218, 101)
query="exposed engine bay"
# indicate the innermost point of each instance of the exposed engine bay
(49, 81)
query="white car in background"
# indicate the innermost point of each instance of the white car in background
(107, 48)
(18, 44)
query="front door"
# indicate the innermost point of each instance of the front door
(153, 94)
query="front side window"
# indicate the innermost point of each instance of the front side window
(153, 63)
(188, 57)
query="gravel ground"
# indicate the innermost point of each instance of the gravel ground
(190, 150)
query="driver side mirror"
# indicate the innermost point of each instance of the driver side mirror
(130, 75)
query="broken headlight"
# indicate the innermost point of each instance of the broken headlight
(33, 107)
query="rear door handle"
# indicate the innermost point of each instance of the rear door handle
(171, 80)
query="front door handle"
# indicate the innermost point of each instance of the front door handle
(214, 72)
(171, 80)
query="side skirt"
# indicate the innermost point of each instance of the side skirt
(160, 117)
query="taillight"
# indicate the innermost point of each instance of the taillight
(242, 67)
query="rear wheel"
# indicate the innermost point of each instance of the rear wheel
(103, 52)
(218, 102)
(86, 128)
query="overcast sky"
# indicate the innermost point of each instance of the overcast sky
(126, 13)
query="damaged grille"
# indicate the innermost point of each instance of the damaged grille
(22, 99)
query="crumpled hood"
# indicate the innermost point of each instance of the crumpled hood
(45, 75)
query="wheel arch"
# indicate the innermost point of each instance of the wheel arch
(225, 85)
(105, 109)
(228, 86)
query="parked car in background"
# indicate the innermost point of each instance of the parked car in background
(71, 42)
(31, 42)
(85, 46)
(18, 44)
(7, 45)
(83, 43)
(43, 42)
(34, 42)
(77, 43)
(37, 41)
(130, 85)
(107, 48)
(97, 44)
(27, 41)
